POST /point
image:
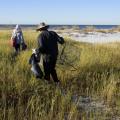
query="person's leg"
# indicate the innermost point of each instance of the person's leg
(17, 48)
(54, 75)
(53, 71)
(46, 70)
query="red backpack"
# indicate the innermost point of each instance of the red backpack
(13, 42)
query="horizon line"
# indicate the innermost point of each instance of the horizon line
(61, 24)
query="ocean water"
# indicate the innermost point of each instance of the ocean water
(7, 26)
(100, 26)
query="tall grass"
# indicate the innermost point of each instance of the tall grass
(84, 70)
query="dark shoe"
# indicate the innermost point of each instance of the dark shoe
(47, 78)
(57, 81)
(38, 77)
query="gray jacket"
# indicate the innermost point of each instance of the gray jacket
(18, 35)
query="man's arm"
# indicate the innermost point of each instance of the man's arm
(13, 35)
(61, 40)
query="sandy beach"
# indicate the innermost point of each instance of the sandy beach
(93, 37)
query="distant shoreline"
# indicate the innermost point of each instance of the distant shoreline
(33, 26)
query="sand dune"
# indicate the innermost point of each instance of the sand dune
(93, 37)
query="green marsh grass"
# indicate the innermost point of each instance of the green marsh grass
(84, 70)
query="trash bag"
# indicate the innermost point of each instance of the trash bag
(37, 70)
(24, 46)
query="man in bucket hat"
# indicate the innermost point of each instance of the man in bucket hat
(48, 47)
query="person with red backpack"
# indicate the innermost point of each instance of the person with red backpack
(18, 39)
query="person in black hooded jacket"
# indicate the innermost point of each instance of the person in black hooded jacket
(48, 47)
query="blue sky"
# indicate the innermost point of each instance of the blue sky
(60, 11)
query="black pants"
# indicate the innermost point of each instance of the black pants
(17, 48)
(49, 63)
